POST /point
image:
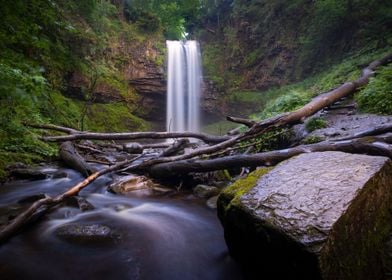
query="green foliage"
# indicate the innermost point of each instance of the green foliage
(315, 123)
(173, 16)
(20, 92)
(376, 97)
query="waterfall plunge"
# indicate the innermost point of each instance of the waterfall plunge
(183, 86)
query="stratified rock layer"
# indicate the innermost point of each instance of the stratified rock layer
(316, 216)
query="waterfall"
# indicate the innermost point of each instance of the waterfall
(183, 86)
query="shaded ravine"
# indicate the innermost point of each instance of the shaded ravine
(156, 238)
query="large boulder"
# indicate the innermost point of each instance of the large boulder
(320, 215)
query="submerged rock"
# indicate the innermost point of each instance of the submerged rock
(79, 233)
(79, 202)
(316, 216)
(212, 201)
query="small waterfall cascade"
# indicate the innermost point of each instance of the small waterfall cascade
(183, 86)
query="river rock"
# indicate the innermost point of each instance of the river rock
(133, 148)
(205, 191)
(324, 215)
(28, 173)
(79, 233)
(138, 184)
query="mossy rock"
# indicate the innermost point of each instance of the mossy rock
(323, 215)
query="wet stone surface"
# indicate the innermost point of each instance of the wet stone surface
(318, 211)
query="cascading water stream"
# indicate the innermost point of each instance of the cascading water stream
(183, 86)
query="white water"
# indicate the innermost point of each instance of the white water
(183, 86)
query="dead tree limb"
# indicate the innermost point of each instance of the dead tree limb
(43, 205)
(378, 145)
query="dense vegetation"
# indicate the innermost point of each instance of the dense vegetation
(42, 42)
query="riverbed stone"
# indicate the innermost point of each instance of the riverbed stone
(205, 191)
(86, 234)
(137, 185)
(133, 148)
(324, 215)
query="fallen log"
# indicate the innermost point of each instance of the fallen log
(376, 145)
(40, 207)
(73, 159)
(135, 135)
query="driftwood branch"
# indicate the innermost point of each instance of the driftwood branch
(43, 205)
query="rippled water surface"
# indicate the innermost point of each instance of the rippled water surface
(156, 238)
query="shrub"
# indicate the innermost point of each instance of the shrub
(376, 97)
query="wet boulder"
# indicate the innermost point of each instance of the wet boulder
(320, 215)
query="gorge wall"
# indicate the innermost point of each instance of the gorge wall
(258, 45)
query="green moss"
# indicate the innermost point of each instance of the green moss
(315, 123)
(234, 192)
(115, 117)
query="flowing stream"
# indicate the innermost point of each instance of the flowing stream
(157, 238)
(183, 86)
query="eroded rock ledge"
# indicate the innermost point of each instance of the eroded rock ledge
(316, 216)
